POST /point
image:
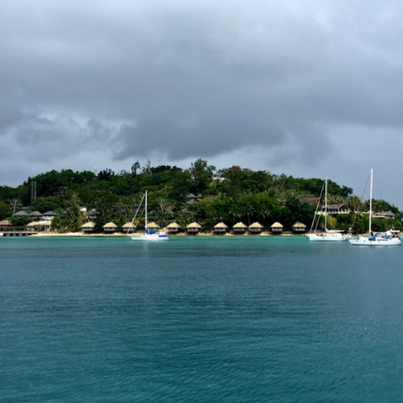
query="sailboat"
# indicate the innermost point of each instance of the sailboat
(378, 239)
(149, 235)
(327, 236)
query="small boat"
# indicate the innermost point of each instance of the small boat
(149, 235)
(388, 238)
(328, 235)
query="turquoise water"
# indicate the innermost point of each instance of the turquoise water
(199, 320)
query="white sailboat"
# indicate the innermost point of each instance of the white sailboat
(149, 235)
(388, 238)
(327, 236)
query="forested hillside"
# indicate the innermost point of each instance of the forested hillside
(229, 195)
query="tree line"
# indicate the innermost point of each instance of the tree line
(229, 195)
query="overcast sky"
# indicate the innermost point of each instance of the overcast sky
(308, 89)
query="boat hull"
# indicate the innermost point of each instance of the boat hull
(327, 237)
(151, 237)
(375, 242)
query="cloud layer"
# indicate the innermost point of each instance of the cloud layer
(277, 85)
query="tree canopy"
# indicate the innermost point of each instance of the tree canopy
(230, 195)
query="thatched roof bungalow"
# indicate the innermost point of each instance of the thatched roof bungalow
(276, 228)
(152, 226)
(256, 228)
(239, 228)
(173, 228)
(88, 227)
(299, 228)
(110, 227)
(129, 227)
(193, 228)
(220, 228)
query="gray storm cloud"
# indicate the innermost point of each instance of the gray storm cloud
(129, 79)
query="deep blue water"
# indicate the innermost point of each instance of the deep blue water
(199, 320)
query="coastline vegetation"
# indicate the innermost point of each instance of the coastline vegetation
(228, 195)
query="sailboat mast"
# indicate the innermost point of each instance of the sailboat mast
(146, 213)
(326, 204)
(370, 202)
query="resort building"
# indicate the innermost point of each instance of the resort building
(39, 225)
(152, 226)
(256, 228)
(36, 214)
(92, 215)
(311, 200)
(220, 228)
(5, 225)
(21, 213)
(276, 228)
(128, 228)
(299, 228)
(50, 215)
(388, 214)
(239, 228)
(192, 198)
(110, 227)
(336, 209)
(173, 228)
(88, 227)
(193, 228)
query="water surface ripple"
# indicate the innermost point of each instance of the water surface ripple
(199, 320)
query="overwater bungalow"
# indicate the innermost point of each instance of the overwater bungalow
(256, 228)
(193, 228)
(239, 228)
(299, 228)
(220, 228)
(173, 228)
(276, 228)
(110, 227)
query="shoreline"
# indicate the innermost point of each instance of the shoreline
(119, 235)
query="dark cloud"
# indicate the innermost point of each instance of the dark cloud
(127, 80)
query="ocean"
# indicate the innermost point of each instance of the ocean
(199, 320)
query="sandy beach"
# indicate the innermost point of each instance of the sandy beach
(121, 235)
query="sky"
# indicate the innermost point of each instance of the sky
(308, 89)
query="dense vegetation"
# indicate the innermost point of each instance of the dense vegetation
(229, 195)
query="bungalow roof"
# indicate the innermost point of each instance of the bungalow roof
(240, 225)
(110, 225)
(256, 225)
(173, 225)
(194, 225)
